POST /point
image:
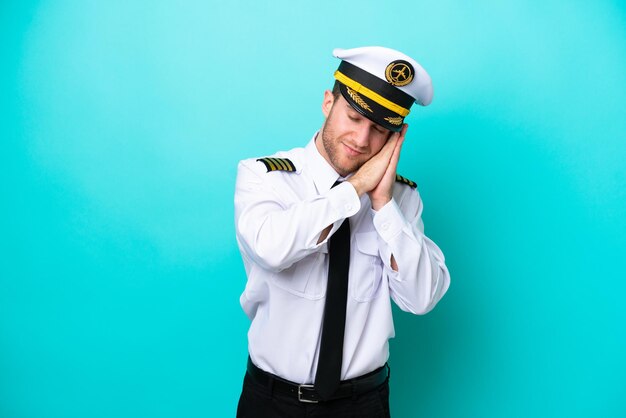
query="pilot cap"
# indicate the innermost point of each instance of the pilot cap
(382, 84)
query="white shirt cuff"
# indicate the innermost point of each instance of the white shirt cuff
(389, 221)
(344, 200)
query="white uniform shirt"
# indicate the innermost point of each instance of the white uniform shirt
(279, 217)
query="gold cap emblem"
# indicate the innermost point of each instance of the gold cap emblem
(399, 73)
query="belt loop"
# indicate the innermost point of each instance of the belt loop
(388, 371)
(354, 392)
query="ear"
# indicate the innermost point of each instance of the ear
(327, 103)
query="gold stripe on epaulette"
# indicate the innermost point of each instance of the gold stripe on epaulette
(282, 162)
(406, 181)
(278, 164)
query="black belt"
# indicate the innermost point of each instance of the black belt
(307, 393)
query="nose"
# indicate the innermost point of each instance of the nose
(361, 136)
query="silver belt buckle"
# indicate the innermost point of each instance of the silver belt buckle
(300, 394)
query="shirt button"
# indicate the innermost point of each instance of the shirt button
(348, 206)
(385, 226)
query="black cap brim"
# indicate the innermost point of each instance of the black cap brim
(372, 110)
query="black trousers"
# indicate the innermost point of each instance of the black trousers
(258, 401)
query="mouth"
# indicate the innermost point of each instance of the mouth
(352, 152)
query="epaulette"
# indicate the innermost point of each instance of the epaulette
(278, 164)
(406, 181)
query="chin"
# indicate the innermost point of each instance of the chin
(348, 169)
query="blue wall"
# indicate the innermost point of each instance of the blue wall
(121, 126)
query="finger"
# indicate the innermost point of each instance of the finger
(397, 149)
(395, 157)
(397, 136)
(391, 142)
(386, 151)
(405, 127)
(393, 139)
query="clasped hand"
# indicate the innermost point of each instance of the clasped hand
(378, 175)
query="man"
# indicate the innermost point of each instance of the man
(329, 234)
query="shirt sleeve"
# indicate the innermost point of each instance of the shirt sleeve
(422, 277)
(275, 229)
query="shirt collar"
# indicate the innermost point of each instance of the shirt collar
(324, 175)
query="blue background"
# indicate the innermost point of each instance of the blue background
(121, 125)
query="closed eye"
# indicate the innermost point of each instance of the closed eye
(379, 129)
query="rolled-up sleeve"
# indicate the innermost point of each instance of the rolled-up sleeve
(274, 231)
(422, 277)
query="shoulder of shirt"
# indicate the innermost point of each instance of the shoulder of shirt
(287, 162)
(406, 181)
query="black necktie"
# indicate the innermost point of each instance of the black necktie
(331, 347)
